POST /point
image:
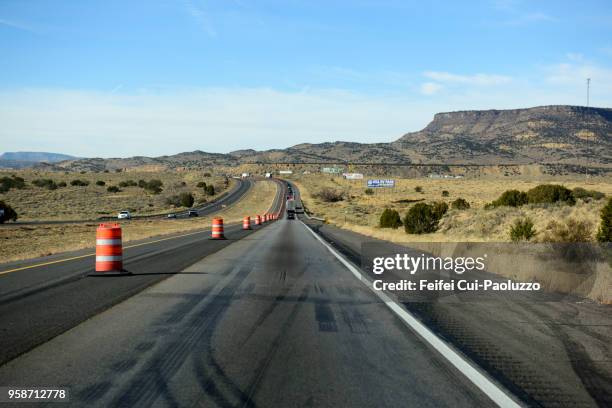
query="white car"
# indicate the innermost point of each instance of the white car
(124, 215)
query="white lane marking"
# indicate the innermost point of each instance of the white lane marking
(492, 390)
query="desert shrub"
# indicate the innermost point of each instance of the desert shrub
(369, 191)
(142, 183)
(6, 183)
(550, 193)
(173, 200)
(45, 183)
(522, 230)
(390, 219)
(117, 170)
(329, 195)
(583, 194)
(154, 186)
(113, 189)
(418, 189)
(187, 199)
(604, 234)
(445, 193)
(206, 175)
(62, 184)
(7, 213)
(201, 184)
(511, 198)
(105, 170)
(100, 183)
(460, 204)
(128, 183)
(571, 230)
(421, 219)
(210, 190)
(79, 183)
(439, 208)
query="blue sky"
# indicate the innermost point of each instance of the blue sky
(117, 78)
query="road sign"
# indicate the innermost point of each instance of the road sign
(381, 183)
(353, 176)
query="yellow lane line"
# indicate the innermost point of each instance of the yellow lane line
(93, 254)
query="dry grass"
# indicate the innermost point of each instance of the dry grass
(40, 240)
(361, 212)
(91, 202)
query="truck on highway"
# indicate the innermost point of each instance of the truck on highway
(290, 209)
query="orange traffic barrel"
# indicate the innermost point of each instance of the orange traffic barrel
(217, 228)
(263, 219)
(246, 223)
(109, 249)
(258, 220)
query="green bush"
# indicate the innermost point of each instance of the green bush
(550, 193)
(421, 218)
(6, 183)
(511, 198)
(142, 183)
(100, 183)
(460, 204)
(62, 184)
(45, 183)
(128, 183)
(206, 175)
(445, 193)
(439, 208)
(369, 191)
(418, 189)
(583, 194)
(522, 230)
(80, 183)
(201, 184)
(210, 190)
(154, 186)
(390, 219)
(7, 213)
(113, 189)
(604, 234)
(186, 199)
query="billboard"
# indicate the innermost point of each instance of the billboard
(332, 170)
(381, 183)
(353, 176)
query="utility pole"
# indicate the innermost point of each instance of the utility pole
(586, 170)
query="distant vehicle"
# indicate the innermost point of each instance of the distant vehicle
(124, 215)
(268, 175)
(245, 175)
(290, 209)
(193, 213)
(299, 209)
(173, 215)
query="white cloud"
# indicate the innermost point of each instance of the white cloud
(477, 79)
(430, 88)
(575, 73)
(218, 120)
(17, 25)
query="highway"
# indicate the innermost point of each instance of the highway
(284, 316)
(274, 320)
(44, 297)
(223, 200)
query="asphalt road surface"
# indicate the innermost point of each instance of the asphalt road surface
(51, 295)
(273, 320)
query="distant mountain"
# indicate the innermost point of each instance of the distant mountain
(570, 136)
(28, 159)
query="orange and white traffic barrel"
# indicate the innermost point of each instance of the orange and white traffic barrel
(257, 220)
(217, 228)
(263, 219)
(109, 249)
(246, 223)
